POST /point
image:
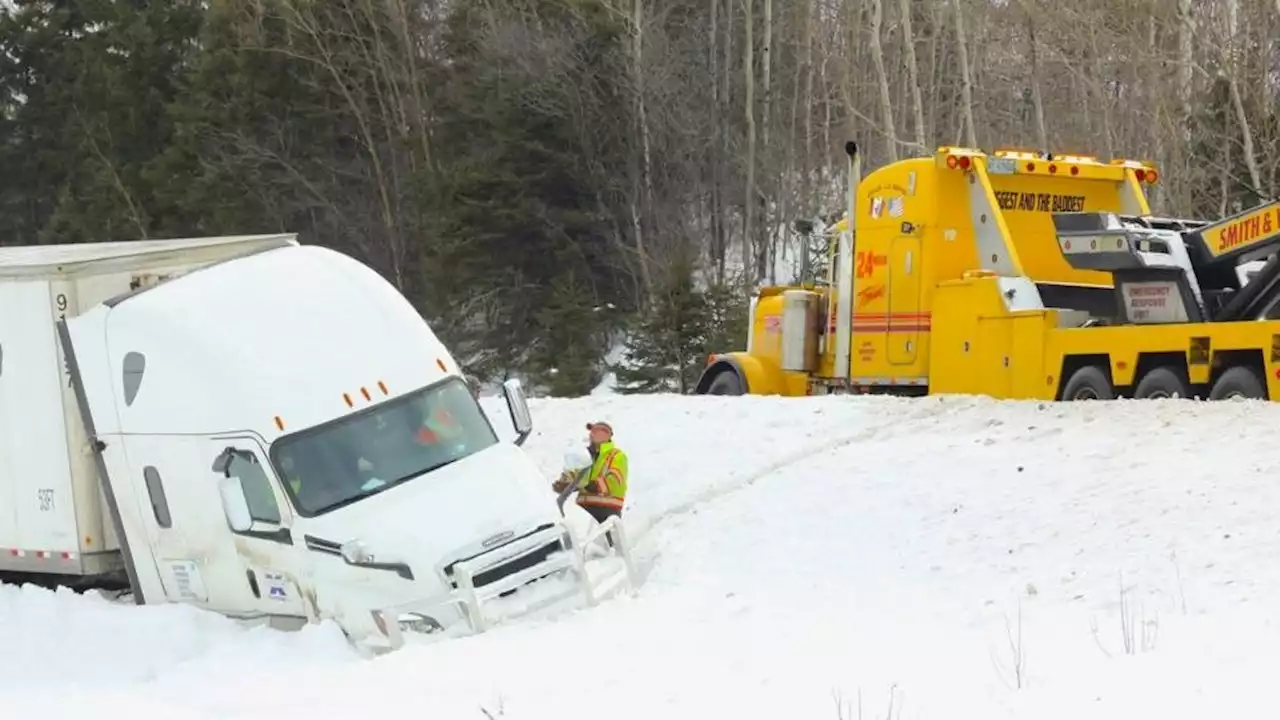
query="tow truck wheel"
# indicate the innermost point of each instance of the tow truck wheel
(1239, 382)
(726, 383)
(1160, 383)
(1088, 383)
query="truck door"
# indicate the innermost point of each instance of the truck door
(905, 319)
(198, 558)
(265, 558)
(163, 497)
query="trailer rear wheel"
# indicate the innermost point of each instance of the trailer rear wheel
(1088, 383)
(726, 383)
(1239, 382)
(1162, 382)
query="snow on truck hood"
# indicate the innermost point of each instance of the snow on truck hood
(435, 517)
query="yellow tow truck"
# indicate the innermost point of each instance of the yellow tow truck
(1020, 274)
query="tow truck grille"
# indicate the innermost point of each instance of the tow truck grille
(511, 566)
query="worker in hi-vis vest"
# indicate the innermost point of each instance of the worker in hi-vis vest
(602, 487)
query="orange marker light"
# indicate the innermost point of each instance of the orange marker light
(383, 387)
(440, 364)
(365, 393)
(348, 399)
(279, 423)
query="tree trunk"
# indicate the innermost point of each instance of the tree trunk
(717, 122)
(640, 187)
(966, 79)
(913, 76)
(1037, 100)
(807, 188)
(748, 108)
(1154, 81)
(765, 254)
(1186, 40)
(1232, 49)
(1099, 86)
(726, 106)
(882, 78)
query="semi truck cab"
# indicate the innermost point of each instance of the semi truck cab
(282, 438)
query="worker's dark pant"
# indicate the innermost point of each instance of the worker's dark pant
(601, 514)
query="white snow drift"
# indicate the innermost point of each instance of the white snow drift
(938, 558)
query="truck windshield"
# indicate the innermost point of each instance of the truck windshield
(335, 464)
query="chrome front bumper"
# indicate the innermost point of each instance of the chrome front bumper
(531, 557)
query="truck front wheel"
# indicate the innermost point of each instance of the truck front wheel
(1088, 383)
(1239, 382)
(726, 383)
(1161, 382)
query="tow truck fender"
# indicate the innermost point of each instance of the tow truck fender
(758, 377)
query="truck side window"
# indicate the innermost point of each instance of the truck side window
(159, 504)
(257, 490)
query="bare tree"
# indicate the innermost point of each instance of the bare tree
(913, 76)
(966, 78)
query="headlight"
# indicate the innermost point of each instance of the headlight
(419, 623)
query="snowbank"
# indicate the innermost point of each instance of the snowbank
(960, 558)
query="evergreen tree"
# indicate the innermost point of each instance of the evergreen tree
(522, 246)
(250, 120)
(727, 319)
(571, 337)
(664, 349)
(95, 78)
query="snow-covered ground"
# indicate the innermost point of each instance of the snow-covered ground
(940, 558)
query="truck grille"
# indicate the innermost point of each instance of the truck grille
(510, 566)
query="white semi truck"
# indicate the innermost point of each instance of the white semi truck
(265, 430)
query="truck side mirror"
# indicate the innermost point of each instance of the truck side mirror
(518, 407)
(222, 463)
(234, 504)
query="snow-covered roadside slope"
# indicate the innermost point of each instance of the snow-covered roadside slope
(841, 547)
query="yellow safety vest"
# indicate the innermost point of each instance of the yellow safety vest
(606, 484)
(439, 423)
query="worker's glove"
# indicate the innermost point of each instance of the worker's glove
(561, 483)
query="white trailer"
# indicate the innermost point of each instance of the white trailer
(253, 427)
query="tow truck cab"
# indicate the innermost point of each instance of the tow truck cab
(255, 426)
